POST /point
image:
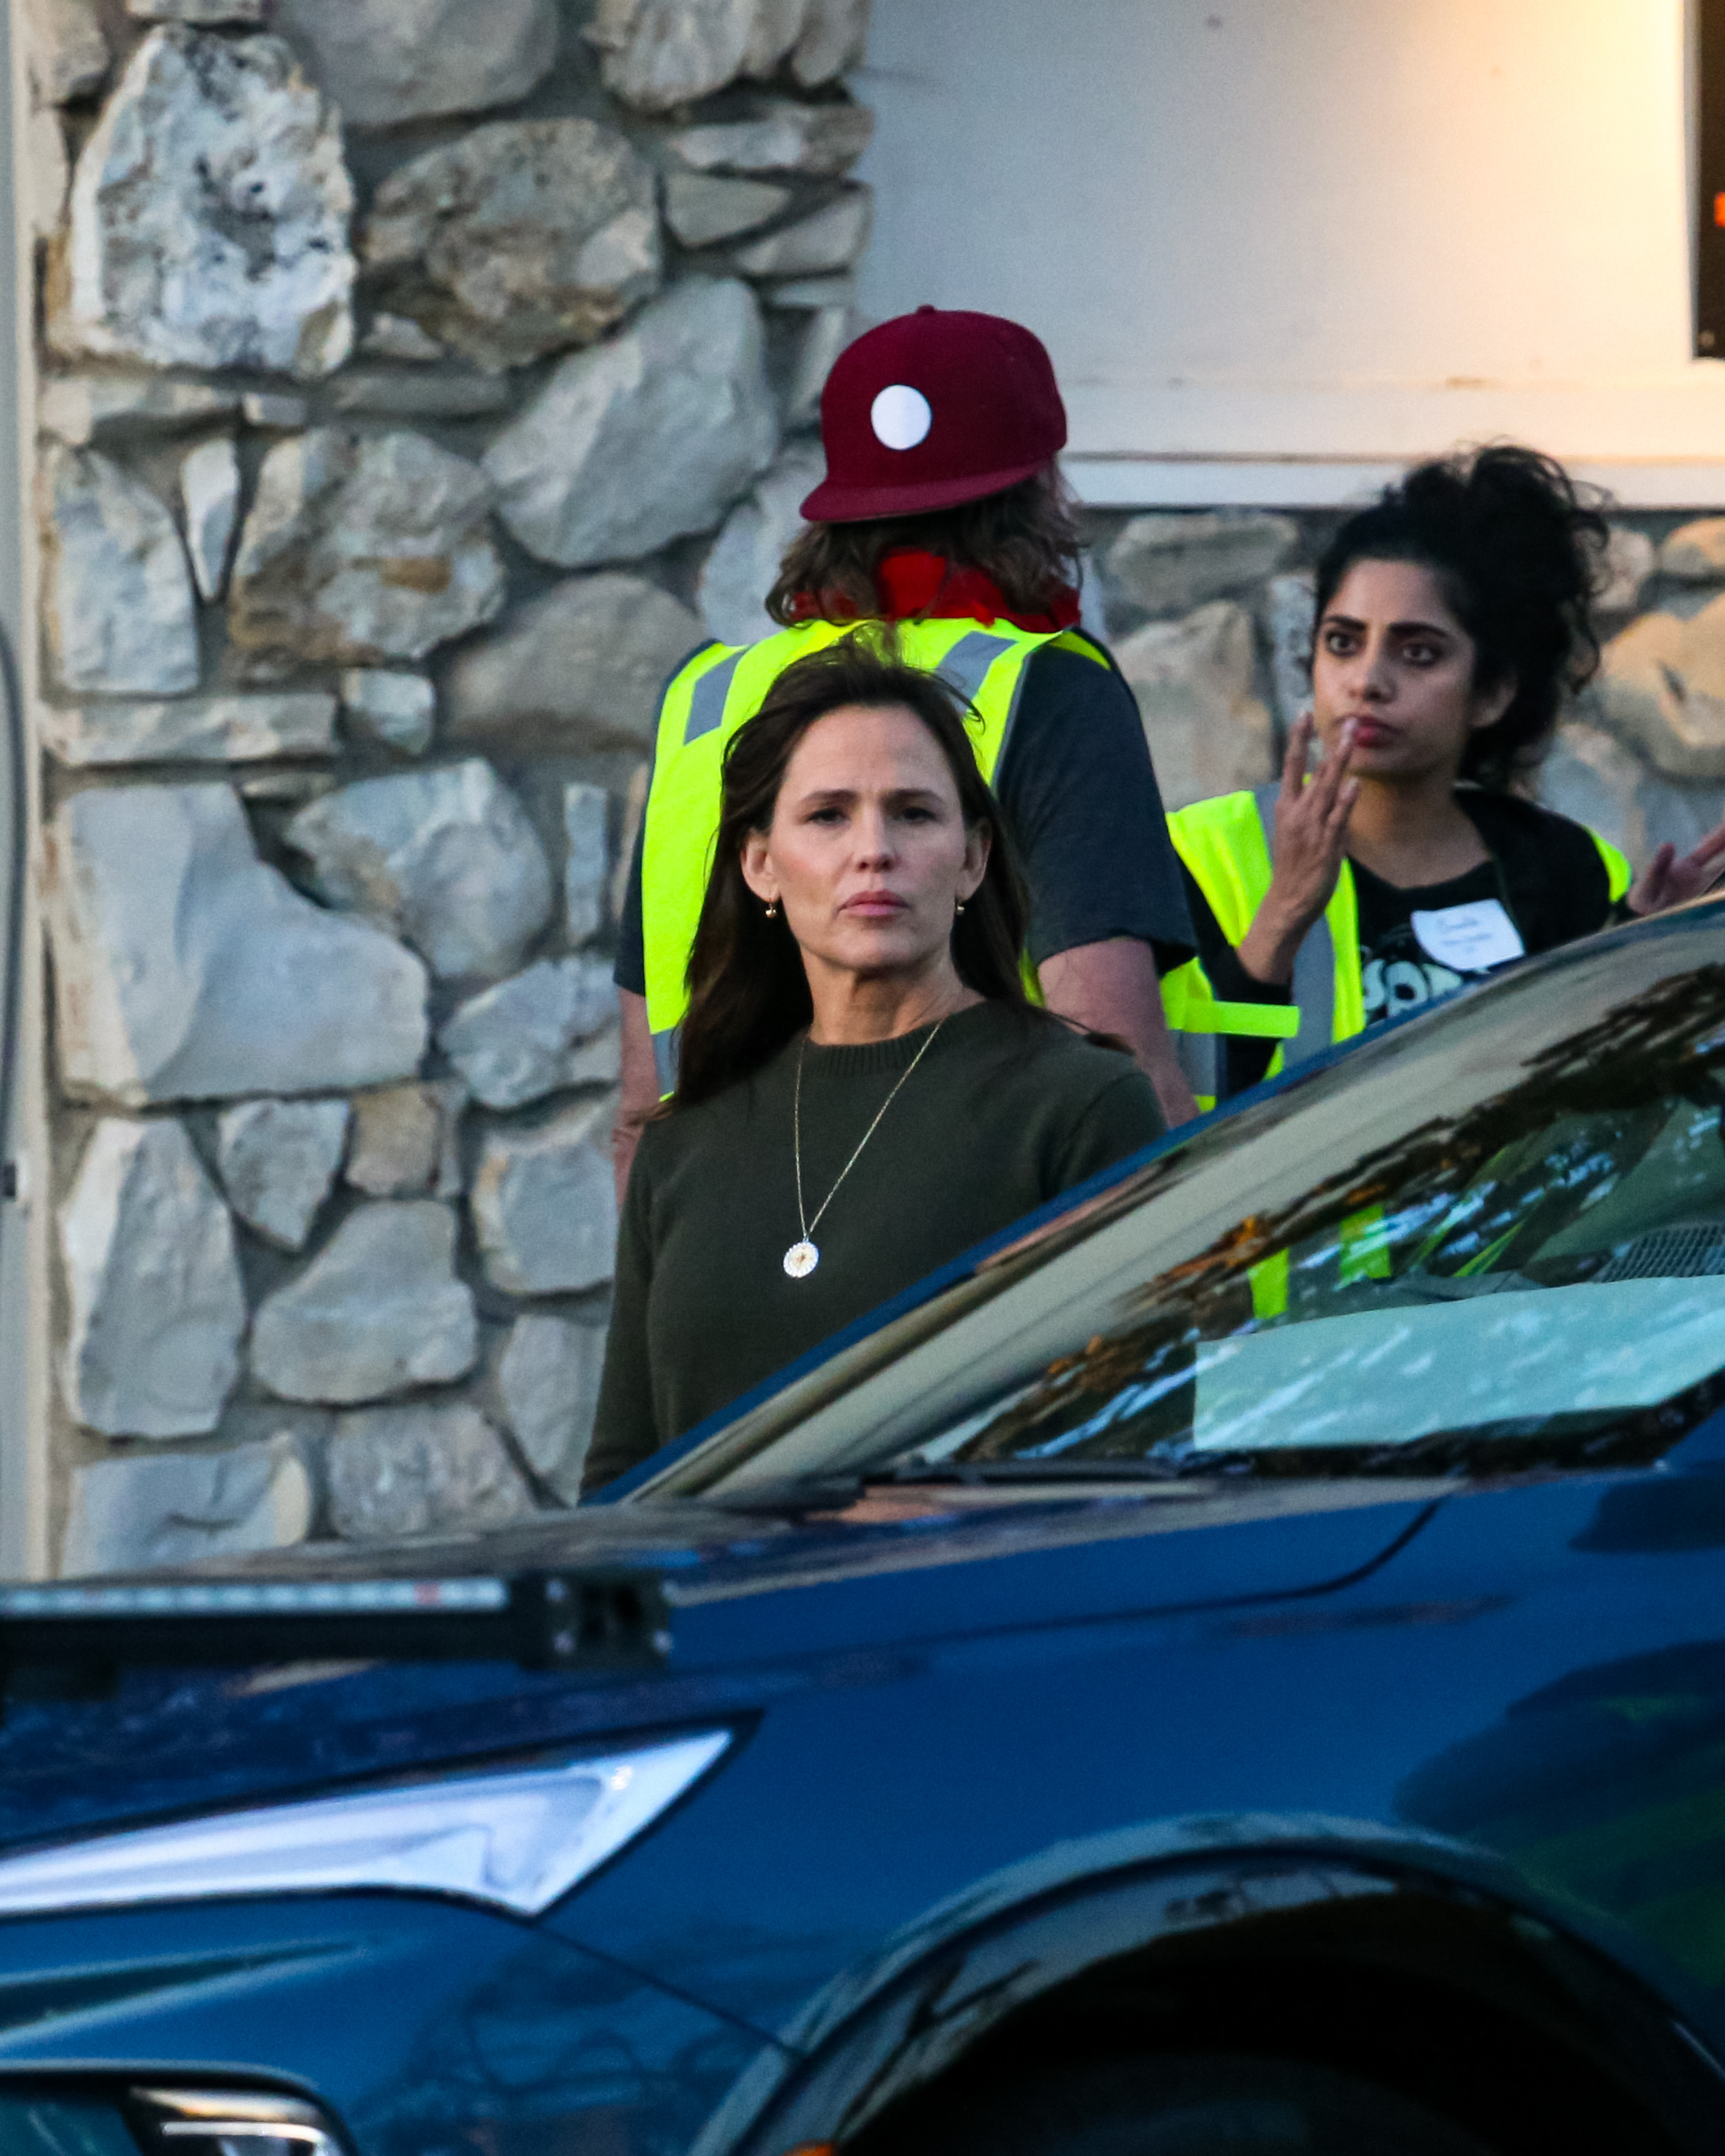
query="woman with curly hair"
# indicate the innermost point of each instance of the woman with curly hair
(1452, 619)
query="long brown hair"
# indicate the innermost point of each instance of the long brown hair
(1024, 539)
(748, 993)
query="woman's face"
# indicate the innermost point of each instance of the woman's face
(1390, 655)
(867, 852)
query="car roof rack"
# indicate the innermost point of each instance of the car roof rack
(57, 1636)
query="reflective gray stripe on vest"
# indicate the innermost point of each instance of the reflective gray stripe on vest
(665, 1048)
(1314, 962)
(969, 660)
(1012, 716)
(707, 699)
(1315, 992)
(1200, 1059)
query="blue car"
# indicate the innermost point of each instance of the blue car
(1237, 1665)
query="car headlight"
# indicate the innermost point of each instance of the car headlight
(92, 2117)
(518, 1838)
(228, 2123)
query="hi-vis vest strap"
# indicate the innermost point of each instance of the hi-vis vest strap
(710, 699)
(1226, 844)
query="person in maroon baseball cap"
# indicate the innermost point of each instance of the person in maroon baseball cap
(943, 513)
(931, 411)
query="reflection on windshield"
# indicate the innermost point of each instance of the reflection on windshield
(1536, 1278)
(1547, 1274)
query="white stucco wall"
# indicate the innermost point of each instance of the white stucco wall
(1323, 231)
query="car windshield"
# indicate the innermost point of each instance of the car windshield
(1491, 1242)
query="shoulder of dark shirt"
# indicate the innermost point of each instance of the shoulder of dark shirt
(1026, 1075)
(1089, 640)
(1077, 725)
(1035, 1048)
(667, 1135)
(1057, 673)
(1554, 870)
(1085, 1091)
(1025, 1048)
(1074, 709)
(1526, 831)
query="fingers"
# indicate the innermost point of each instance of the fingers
(1667, 880)
(1293, 764)
(1328, 787)
(1317, 792)
(1335, 823)
(1651, 892)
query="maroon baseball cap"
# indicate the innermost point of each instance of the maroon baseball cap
(933, 410)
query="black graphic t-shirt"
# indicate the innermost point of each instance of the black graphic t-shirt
(1397, 974)
(1546, 872)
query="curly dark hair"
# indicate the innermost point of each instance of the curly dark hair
(1519, 550)
(1025, 538)
(749, 994)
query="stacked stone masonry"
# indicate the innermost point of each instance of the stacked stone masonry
(1210, 614)
(420, 382)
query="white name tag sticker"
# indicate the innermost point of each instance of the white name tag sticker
(1471, 938)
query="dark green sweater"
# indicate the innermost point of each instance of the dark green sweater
(1002, 1113)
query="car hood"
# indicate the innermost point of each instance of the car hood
(760, 1603)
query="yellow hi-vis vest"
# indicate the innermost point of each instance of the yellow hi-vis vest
(1226, 844)
(710, 699)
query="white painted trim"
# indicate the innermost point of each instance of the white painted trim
(1656, 443)
(1225, 482)
(1222, 482)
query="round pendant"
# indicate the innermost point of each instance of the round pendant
(801, 1259)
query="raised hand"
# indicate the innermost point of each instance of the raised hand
(1667, 880)
(1310, 838)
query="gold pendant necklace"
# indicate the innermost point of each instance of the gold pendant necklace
(802, 1257)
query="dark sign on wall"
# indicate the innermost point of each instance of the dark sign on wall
(1710, 181)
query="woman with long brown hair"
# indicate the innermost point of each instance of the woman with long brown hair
(863, 1089)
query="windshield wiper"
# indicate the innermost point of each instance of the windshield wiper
(984, 1474)
(794, 1497)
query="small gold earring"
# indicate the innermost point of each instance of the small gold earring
(773, 913)
(959, 908)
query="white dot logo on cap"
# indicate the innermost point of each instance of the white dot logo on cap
(901, 416)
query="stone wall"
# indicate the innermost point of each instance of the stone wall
(416, 376)
(1210, 617)
(419, 381)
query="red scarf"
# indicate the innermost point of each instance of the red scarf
(909, 583)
